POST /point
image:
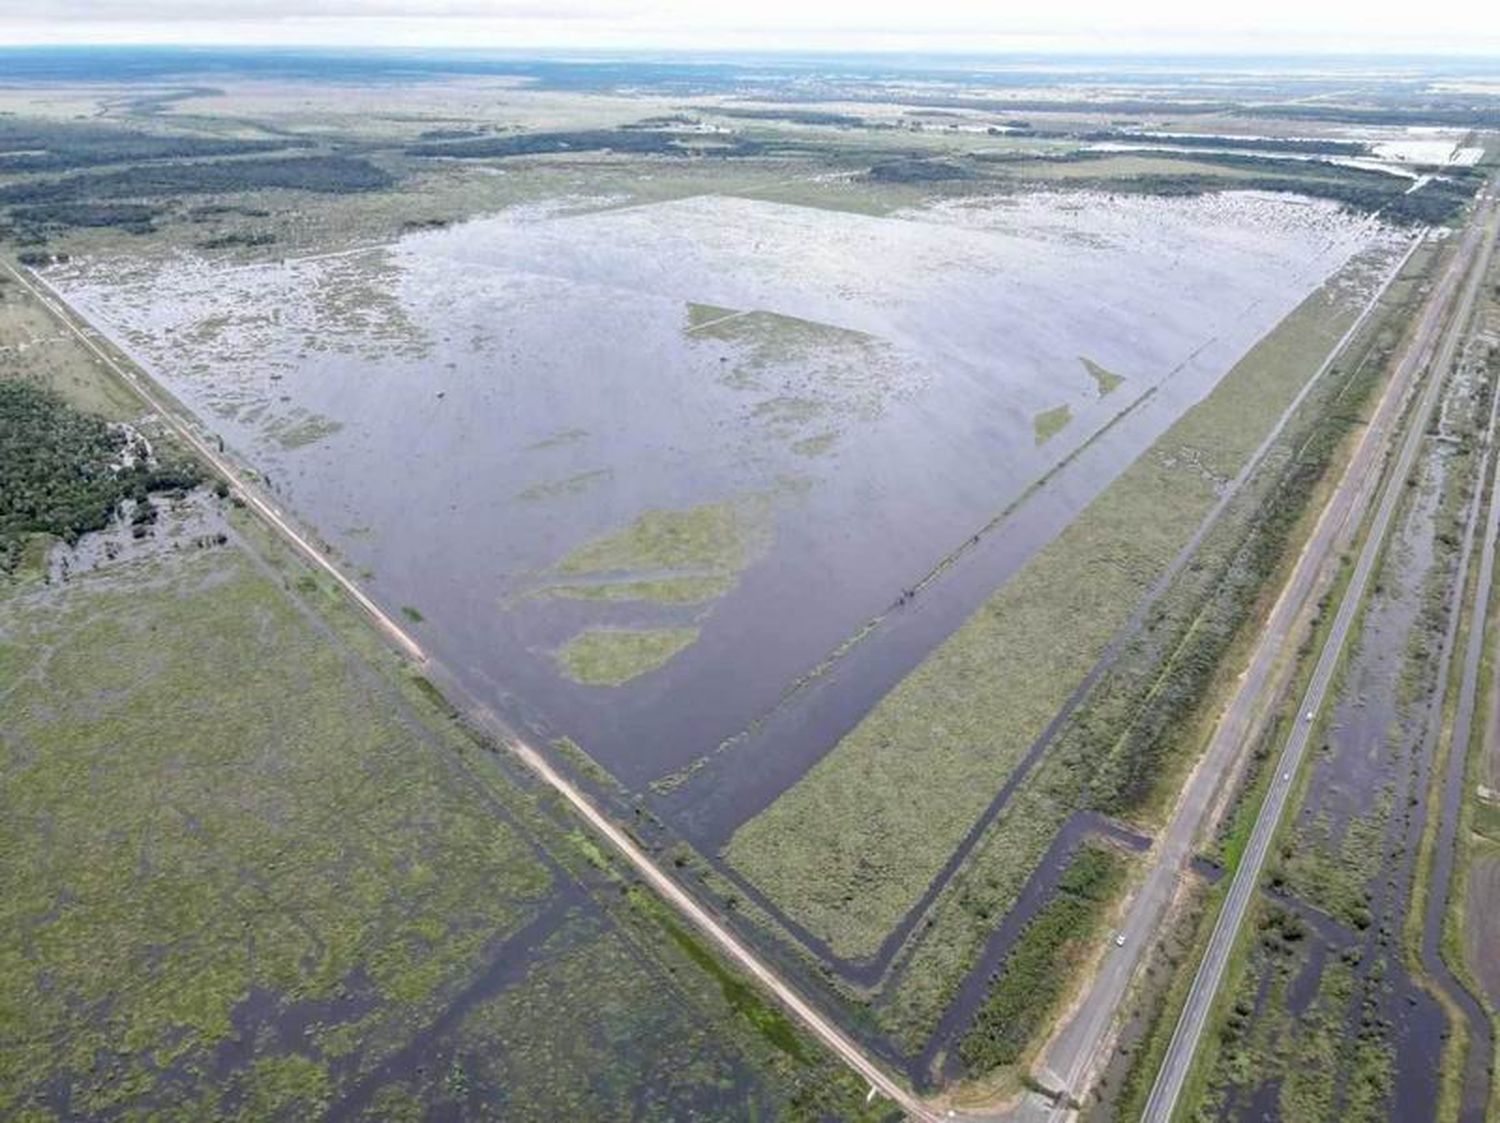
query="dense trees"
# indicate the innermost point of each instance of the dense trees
(587, 140)
(327, 174)
(66, 473)
(45, 146)
(1437, 201)
(1318, 147)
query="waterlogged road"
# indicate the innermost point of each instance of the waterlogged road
(740, 953)
(1449, 806)
(1470, 262)
(1071, 1059)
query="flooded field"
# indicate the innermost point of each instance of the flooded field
(858, 484)
(398, 933)
(848, 399)
(1328, 1021)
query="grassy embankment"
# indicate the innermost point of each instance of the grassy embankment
(1033, 981)
(839, 851)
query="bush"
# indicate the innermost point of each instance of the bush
(1032, 979)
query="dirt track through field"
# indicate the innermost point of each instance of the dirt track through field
(741, 954)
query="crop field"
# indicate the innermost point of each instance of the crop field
(853, 491)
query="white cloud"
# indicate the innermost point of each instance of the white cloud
(1268, 25)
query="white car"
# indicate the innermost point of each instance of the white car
(1119, 939)
(1307, 716)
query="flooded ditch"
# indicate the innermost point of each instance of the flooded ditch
(1347, 1009)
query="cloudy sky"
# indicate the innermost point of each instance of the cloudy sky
(1464, 26)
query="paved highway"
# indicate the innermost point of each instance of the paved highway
(1163, 1101)
(1071, 1059)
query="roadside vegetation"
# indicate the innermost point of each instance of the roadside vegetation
(1042, 967)
(839, 851)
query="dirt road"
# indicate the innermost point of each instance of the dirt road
(675, 896)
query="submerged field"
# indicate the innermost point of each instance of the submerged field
(320, 898)
(855, 497)
(800, 382)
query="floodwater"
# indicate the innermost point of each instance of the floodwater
(938, 1060)
(458, 411)
(1362, 809)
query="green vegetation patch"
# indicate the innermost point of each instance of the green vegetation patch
(1322, 1072)
(852, 846)
(612, 656)
(301, 428)
(689, 556)
(1051, 422)
(560, 439)
(571, 485)
(1487, 820)
(1107, 381)
(1040, 967)
(742, 998)
(668, 590)
(817, 445)
(701, 315)
(717, 537)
